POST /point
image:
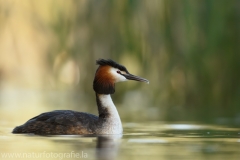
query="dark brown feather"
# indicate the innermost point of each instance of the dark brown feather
(103, 82)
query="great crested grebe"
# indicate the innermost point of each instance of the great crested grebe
(67, 122)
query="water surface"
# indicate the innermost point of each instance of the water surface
(140, 141)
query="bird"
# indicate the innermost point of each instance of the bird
(68, 122)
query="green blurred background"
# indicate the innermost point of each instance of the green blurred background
(189, 50)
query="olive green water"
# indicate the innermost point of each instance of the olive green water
(140, 141)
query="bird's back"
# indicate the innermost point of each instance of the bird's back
(60, 122)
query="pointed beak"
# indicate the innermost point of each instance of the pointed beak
(135, 78)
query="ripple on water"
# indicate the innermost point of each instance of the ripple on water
(140, 141)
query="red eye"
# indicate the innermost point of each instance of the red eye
(118, 72)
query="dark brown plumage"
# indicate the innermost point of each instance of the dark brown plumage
(103, 82)
(60, 122)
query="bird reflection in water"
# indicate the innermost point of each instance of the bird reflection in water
(107, 147)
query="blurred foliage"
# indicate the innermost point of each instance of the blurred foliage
(189, 50)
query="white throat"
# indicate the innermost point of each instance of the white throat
(113, 124)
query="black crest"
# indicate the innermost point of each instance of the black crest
(110, 62)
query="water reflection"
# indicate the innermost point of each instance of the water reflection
(107, 147)
(152, 140)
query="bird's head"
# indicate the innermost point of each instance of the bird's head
(109, 73)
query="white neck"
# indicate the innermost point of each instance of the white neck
(113, 124)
